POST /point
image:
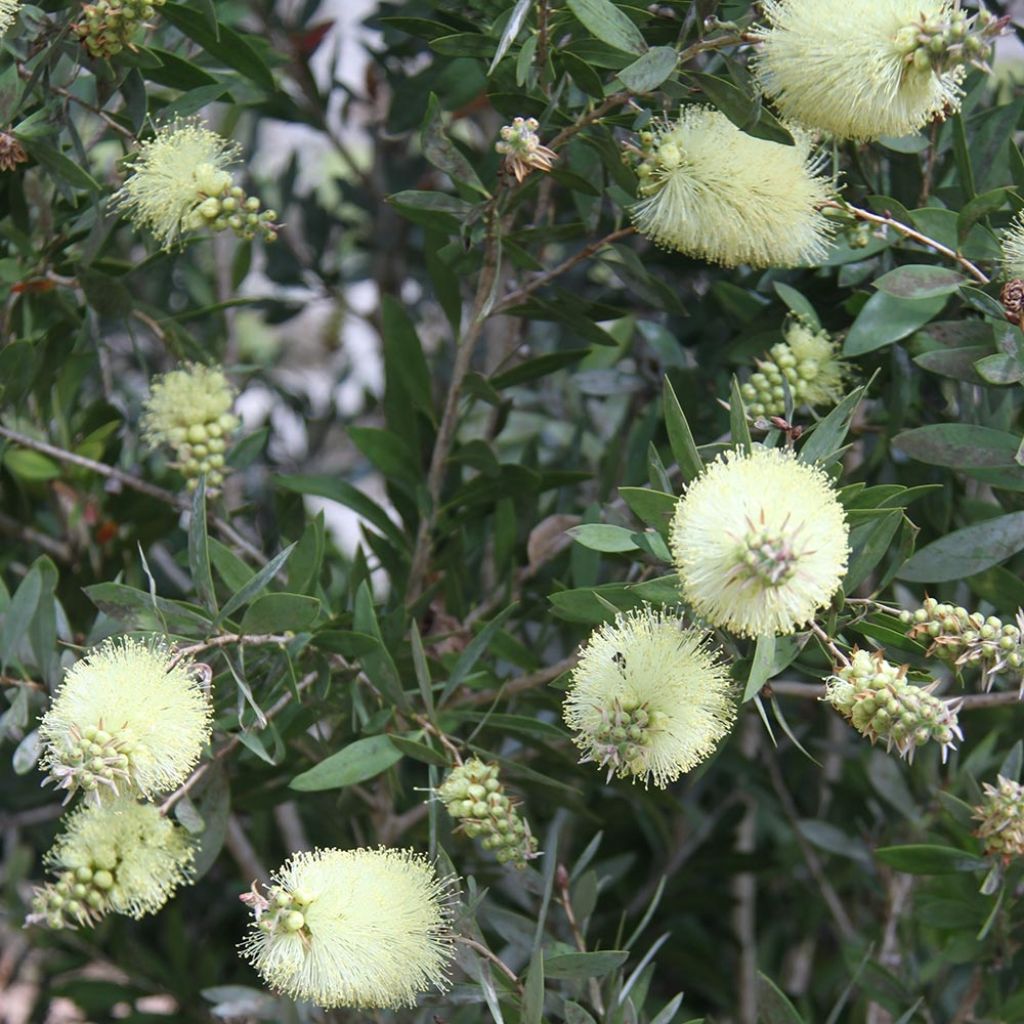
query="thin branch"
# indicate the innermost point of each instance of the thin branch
(480, 948)
(565, 899)
(972, 702)
(911, 233)
(57, 549)
(242, 639)
(520, 684)
(178, 501)
(514, 298)
(830, 645)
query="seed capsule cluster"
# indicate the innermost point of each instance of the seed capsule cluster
(1001, 814)
(109, 26)
(78, 898)
(473, 794)
(284, 912)
(808, 362)
(969, 638)
(875, 697)
(91, 759)
(939, 44)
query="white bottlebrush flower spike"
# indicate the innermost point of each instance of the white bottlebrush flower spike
(8, 12)
(125, 720)
(760, 541)
(711, 191)
(649, 698)
(189, 410)
(1011, 246)
(120, 857)
(861, 69)
(360, 928)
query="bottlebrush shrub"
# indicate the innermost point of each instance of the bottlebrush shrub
(530, 502)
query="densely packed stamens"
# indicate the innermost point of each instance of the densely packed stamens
(970, 639)
(8, 12)
(1001, 814)
(110, 26)
(474, 795)
(876, 698)
(807, 359)
(521, 146)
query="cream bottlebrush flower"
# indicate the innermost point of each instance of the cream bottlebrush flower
(867, 68)
(179, 182)
(760, 541)
(711, 191)
(359, 928)
(649, 698)
(1001, 814)
(120, 857)
(8, 12)
(1011, 246)
(125, 719)
(189, 409)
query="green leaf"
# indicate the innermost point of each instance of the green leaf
(967, 551)
(680, 439)
(345, 642)
(828, 435)
(359, 761)
(743, 108)
(649, 71)
(761, 667)
(255, 584)
(960, 446)
(774, 1006)
(19, 615)
(58, 164)
(540, 366)
(533, 996)
(474, 649)
(885, 318)
(919, 282)
(199, 549)
(442, 152)
(139, 610)
(655, 508)
(606, 22)
(584, 965)
(797, 303)
(30, 466)
(869, 543)
(739, 425)
(432, 209)
(603, 537)
(515, 22)
(980, 207)
(417, 751)
(378, 664)
(927, 859)
(280, 613)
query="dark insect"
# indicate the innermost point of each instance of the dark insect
(620, 659)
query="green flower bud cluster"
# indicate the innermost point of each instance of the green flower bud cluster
(969, 638)
(229, 207)
(807, 359)
(90, 759)
(285, 912)
(473, 793)
(625, 730)
(875, 697)
(939, 44)
(189, 410)
(1001, 814)
(108, 26)
(78, 898)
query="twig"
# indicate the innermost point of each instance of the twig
(520, 684)
(240, 847)
(242, 639)
(26, 76)
(829, 644)
(540, 280)
(178, 501)
(442, 737)
(911, 233)
(480, 948)
(565, 900)
(972, 702)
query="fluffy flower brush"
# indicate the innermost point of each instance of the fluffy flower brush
(125, 720)
(711, 191)
(359, 928)
(808, 361)
(121, 857)
(8, 12)
(189, 410)
(1011, 245)
(760, 541)
(180, 182)
(649, 699)
(868, 68)
(1001, 814)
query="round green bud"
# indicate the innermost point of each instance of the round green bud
(103, 879)
(293, 921)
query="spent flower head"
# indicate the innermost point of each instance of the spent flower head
(864, 70)
(120, 857)
(520, 144)
(189, 410)
(649, 698)
(12, 152)
(808, 360)
(109, 26)
(760, 541)
(876, 698)
(473, 794)
(1001, 814)
(125, 719)
(179, 181)
(711, 191)
(360, 928)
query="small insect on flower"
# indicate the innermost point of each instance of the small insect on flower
(359, 928)
(8, 13)
(711, 191)
(649, 698)
(521, 146)
(868, 69)
(125, 719)
(760, 541)
(120, 857)
(189, 410)
(179, 181)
